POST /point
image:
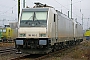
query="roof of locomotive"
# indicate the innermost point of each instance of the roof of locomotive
(35, 9)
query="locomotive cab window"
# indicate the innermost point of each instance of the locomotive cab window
(4, 30)
(9, 31)
(33, 19)
(0, 30)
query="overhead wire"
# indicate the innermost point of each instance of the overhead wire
(77, 2)
(9, 8)
(3, 14)
(54, 0)
(9, 11)
(74, 3)
(4, 6)
(67, 8)
(61, 4)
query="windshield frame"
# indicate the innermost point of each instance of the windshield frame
(35, 19)
(4, 30)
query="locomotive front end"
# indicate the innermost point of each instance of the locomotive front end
(32, 32)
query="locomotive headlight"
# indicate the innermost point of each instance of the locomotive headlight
(42, 42)
(42, 35)
(19, 42)
(22, 35)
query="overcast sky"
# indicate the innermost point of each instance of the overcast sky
(8, 9)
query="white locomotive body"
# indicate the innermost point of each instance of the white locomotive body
(44, 29)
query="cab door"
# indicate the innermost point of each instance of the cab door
(55, 21)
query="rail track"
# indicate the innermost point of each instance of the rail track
(13, 56)
(7, 50)
(50, 54)
(37, 57)
(11, 51)
(19, 56)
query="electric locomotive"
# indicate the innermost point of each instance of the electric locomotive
(87, 34)
(42, 29)
(7, 34)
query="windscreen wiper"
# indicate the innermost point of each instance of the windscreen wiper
(29, 19)
(36, 18)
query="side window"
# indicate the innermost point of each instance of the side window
(9, 30)
(4, 30)
(54, 17)
(0, 30)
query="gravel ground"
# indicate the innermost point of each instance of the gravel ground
(79, 52)
(6, 57)
(7, 44)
